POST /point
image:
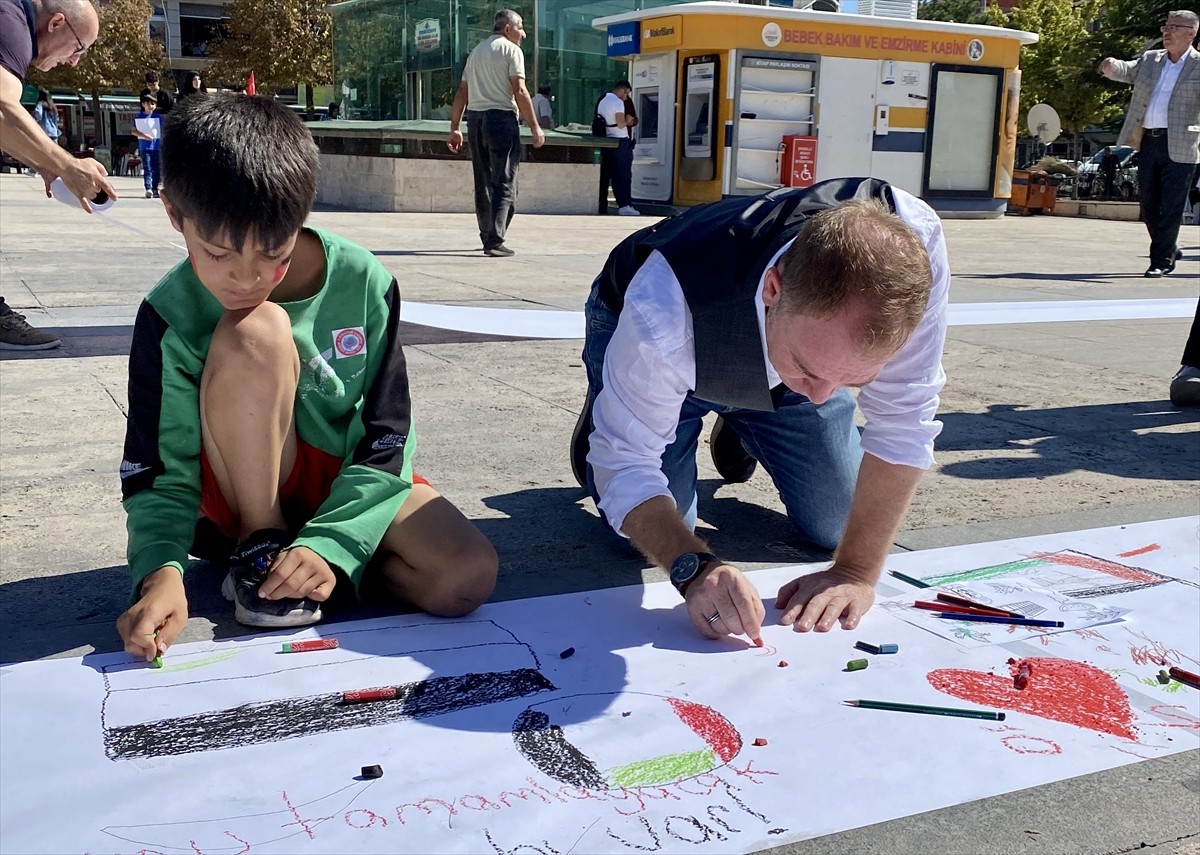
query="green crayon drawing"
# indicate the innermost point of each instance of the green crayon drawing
(664, 769)
(199, 663)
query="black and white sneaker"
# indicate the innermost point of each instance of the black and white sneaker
(248, 568)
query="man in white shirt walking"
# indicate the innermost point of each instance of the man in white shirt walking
(618, 162)
(1163, 123)
(492, 92)
(764, 310)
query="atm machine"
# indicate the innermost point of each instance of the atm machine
(653, 80)
(699, 162)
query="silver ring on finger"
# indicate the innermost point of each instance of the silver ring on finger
(713, 618)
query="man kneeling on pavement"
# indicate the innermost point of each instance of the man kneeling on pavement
(766, 311)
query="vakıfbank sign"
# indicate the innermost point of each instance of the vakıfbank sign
(660, 33)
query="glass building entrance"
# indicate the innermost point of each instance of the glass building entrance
(403, 59)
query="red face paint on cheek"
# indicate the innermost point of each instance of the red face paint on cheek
(280, 272)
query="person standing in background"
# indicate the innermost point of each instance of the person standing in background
(543, 107)
(618, 162)
(192, 85)
(161, 96)
(492, 93)
(147, 127)
(1163, 123)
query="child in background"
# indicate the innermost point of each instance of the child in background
(148, 137)
(268, 394)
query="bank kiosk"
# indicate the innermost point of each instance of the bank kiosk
(738, 99)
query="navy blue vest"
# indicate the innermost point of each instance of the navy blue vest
(718, 253)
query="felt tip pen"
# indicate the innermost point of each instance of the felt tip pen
(956, 712)
(909, 579)
(966, 610)
(365, 696)
(971, 604)
(310, 645)
(1185, 677)
(1012, 621)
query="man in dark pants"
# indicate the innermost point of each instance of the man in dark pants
(1163, 122)
(617, 164)
(491, 93)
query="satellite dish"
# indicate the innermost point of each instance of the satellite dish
(1044, 123)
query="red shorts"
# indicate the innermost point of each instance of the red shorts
(306, 487)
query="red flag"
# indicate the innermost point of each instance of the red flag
(250, 89)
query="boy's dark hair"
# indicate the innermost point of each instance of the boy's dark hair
(147, 95)
(544, 89)
(239, 166)
(151, 76)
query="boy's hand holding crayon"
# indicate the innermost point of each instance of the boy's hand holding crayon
(151, 625)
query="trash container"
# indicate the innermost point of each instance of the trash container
(1033, 192)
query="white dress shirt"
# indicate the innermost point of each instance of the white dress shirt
(1156, 112)
(650, 367)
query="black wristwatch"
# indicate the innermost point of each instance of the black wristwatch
(687, 567)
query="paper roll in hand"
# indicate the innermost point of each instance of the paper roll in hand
(60, 192)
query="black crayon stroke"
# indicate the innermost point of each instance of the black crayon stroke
(276, 720)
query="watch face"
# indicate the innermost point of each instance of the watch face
(685, 568)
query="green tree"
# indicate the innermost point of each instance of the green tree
(958, 11)
(119, 58)
(283, 42)
(1060, 70)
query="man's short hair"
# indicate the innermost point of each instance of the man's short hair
(505, 18)
(239, 166)
(623, 84)
(544, 89)
(151, 76)
(1187, 15)
(861, 257)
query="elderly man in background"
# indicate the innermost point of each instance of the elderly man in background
(1163, 123)
(492, 93)
(42, 34)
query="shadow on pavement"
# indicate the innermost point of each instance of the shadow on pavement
(1125, 440)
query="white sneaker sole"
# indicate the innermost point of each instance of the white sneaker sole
(250, 618)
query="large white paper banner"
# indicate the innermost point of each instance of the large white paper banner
(644, 739)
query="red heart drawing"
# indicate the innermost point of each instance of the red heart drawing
(1058, 689)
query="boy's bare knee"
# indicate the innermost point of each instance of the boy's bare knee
(454, 593)
(264, 332)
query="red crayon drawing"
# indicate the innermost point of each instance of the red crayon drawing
(1031, 745)
(1151, 547)
(1071, 692)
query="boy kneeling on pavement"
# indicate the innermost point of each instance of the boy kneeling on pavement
(268, 398)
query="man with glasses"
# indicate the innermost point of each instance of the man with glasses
(1163, 123)
(42, 34)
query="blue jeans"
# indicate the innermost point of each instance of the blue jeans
(811, 452)
(151, 176)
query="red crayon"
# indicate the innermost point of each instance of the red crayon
(1185, 677)
(308, 646)
(1021, 678)
(363, 696)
